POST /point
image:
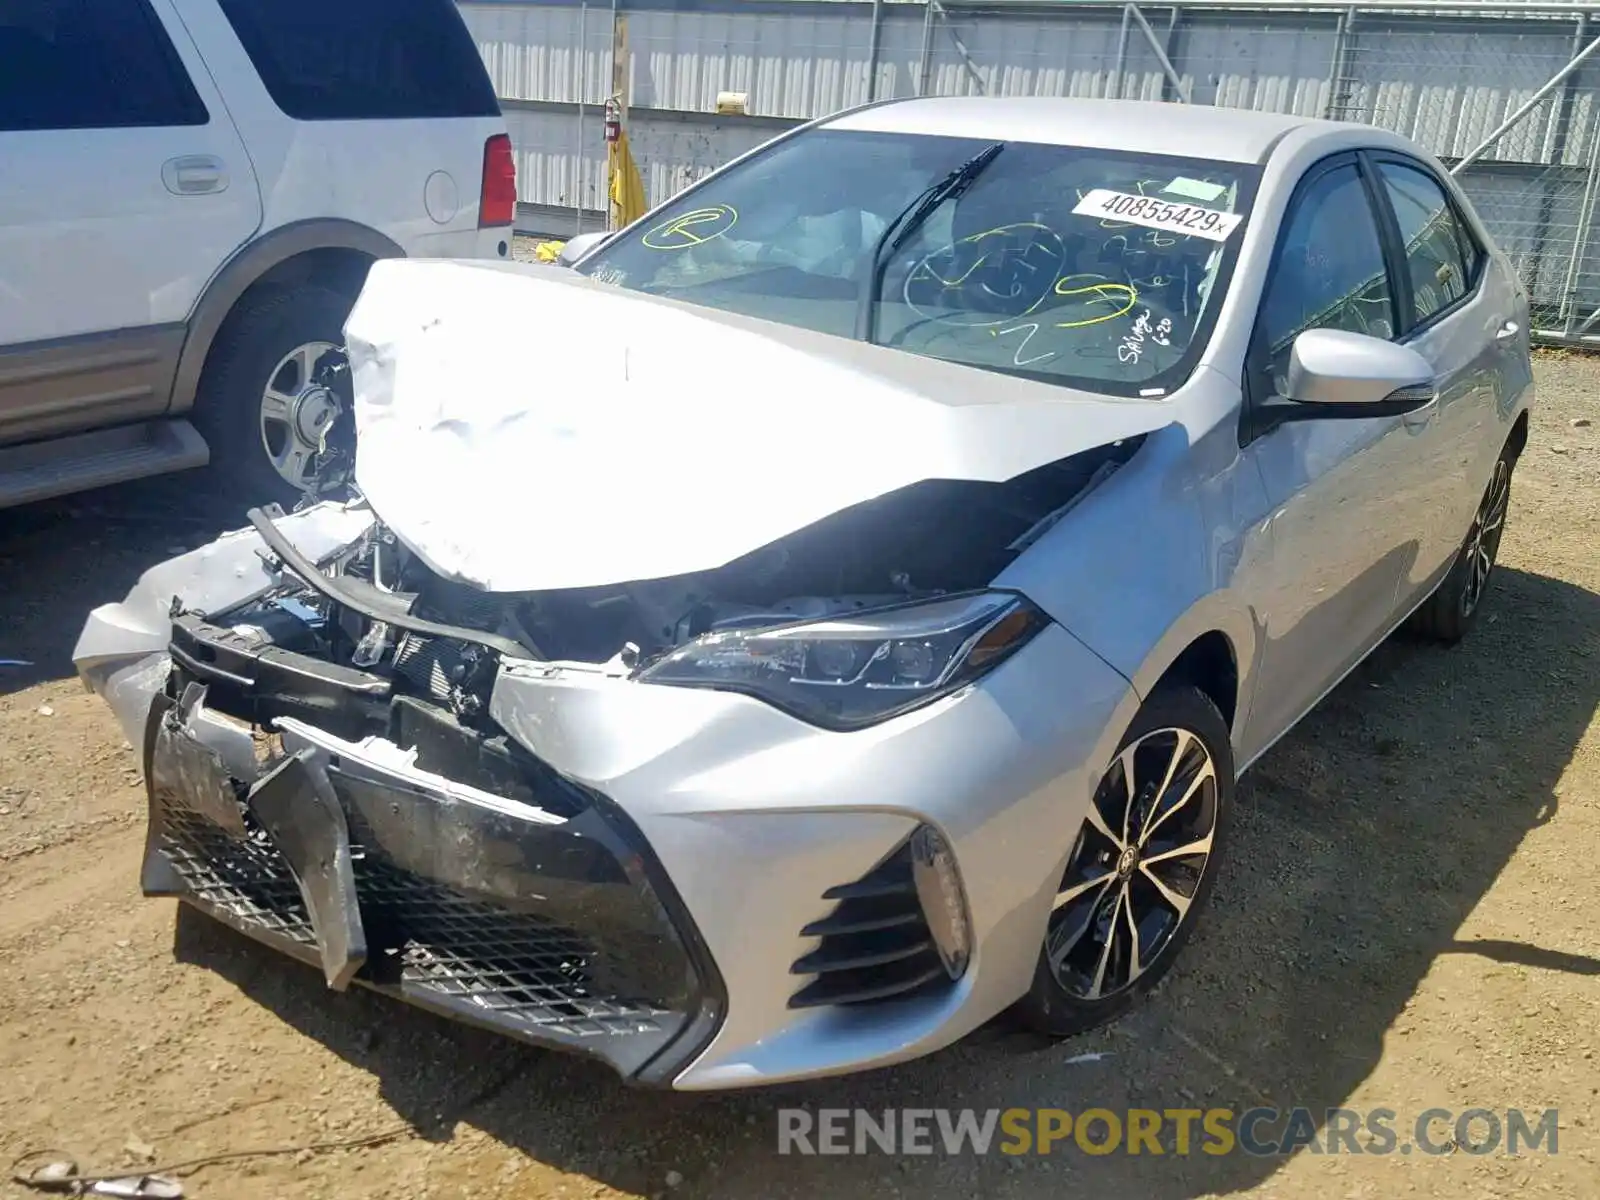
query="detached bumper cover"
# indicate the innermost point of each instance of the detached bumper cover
(555, 929)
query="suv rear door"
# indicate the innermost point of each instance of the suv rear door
(371, 111)
(123, 187)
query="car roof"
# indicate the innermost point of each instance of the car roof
(1189, 130)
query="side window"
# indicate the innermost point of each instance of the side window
(363, 60)
(1329, 271)
(90, 64)
(1437, 262)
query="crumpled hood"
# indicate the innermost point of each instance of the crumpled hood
(523, 428)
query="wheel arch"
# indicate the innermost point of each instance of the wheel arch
(324, 249)
(1517, 439)
(1213, 647)
(1210, 664)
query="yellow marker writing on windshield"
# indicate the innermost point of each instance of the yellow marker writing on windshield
(923, 269)
(692, 228)
(1103, 291)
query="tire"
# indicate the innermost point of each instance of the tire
(1448, 614)
(253, 351)
(1191, 806)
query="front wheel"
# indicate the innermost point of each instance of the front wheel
(1141, 867)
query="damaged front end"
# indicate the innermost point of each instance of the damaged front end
(326, 772)
(351, 806)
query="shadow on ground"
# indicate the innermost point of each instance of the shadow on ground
(61, 558)
(1362, 842)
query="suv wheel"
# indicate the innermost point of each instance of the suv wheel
(272, 392)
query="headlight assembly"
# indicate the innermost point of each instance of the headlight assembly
(854, 670)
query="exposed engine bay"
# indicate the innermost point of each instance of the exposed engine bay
(341, 645)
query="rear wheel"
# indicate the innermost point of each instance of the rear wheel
(1449, 613)
(1141, 867)
(274, 391)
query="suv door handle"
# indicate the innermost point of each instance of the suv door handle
(1509, 330)
(194, 175)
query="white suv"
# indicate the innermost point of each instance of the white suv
(191, 192)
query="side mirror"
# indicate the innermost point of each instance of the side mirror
(578, 246)
(1333, 373)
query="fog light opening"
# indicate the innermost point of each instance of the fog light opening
(933, 869)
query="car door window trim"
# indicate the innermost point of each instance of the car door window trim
(1399, 267)
(1252, 425)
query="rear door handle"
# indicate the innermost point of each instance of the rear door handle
(1509, 330)
(194, 175)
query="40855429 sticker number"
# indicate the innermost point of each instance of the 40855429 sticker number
(1155, 213)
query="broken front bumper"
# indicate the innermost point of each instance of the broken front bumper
(712, 828)
(550, 924)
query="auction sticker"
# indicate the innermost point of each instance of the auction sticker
(1155, 213)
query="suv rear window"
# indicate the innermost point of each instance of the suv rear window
(364, 60)
(90, 64)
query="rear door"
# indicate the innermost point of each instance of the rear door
(123, 187)
(1460, 315)
(371, 111)
(1339, 543)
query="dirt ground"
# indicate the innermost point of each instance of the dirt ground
(1408, 918)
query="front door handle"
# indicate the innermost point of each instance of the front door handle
(194, 175)
(1509, 330)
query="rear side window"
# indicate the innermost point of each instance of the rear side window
(360, 60)
(1441, 256)
(90, 64)
(1329, 271)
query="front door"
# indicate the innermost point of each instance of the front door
(1339, 545)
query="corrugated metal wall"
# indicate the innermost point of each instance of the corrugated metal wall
(1446, 80)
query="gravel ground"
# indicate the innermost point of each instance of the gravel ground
(1407, 918)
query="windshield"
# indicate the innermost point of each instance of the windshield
(1096, 268)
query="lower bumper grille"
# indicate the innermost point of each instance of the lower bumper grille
(623, 987)
(511, 965)
(875, 945)
(248, 880)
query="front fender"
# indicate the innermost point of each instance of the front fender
(121, 653)
(1149, 561)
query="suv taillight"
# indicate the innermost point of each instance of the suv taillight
(498, 205)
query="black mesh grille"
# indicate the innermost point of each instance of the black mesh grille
(515, 967)
(248, 880)
(875, 944)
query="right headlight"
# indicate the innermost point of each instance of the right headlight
(854, 670)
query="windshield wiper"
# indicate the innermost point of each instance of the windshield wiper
(900, 229)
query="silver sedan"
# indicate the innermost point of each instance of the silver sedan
(857, 627)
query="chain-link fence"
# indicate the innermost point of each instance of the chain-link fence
(1506, 94)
